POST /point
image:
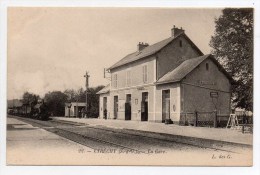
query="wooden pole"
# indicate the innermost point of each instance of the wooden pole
(215, 119)
(196, 118)
(87, 85)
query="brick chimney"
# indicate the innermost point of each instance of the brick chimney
(141, 46)
(176, 31)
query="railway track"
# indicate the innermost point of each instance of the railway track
(77, 137)
(95, 137)
(129, 132)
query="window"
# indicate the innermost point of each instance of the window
(180, 43)
(115, 80)
(145, 73)
(128, 78)
(207, 66)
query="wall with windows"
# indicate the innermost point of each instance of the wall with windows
(134, 74)
(154, 102)
(193, 93)
(136, 98)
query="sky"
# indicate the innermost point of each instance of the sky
(52, 48)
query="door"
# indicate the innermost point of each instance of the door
(144, 107)
(105, 107)
(128, 110)
(115, 107)
(165, 105)
(75, 111)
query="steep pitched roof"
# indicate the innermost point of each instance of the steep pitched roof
(186, 67)
(150, 50)
(105, 90)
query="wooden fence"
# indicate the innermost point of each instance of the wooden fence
(211, 119)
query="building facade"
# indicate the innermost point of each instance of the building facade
(74, 109)
(165, 80)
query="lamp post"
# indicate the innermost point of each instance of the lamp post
(87, 85)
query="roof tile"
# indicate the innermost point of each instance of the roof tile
(106, 89)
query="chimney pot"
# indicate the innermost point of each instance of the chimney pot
(176, 31)
(141, 46)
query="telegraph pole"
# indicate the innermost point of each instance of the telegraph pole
(87, 85)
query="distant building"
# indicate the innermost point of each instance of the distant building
(165, 80)
(74, 109)
(14, 106)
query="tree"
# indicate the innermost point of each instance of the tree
(232, 45)
(55, 102)
(75, 95)
(80, 96)
(71, 95)
(93, 101)
(29, 100)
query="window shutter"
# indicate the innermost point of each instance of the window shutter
(145, 74)
(128, 78)
(115, 81)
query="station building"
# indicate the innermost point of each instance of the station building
(165, 80)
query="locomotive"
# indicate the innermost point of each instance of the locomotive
(39, 111)
(36, 110)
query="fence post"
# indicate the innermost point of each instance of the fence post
(196, 118)
(243, 123)
(185, 119)
(215, 119)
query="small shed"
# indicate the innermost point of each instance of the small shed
(75, 109)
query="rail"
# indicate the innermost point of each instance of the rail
(73, 136)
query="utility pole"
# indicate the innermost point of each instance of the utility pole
(87, 85)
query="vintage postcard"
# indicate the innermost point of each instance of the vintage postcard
(130, 86)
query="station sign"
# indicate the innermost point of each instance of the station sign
(140, 88)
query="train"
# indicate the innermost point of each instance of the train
(37, 110)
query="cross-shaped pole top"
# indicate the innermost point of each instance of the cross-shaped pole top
(87, 75)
